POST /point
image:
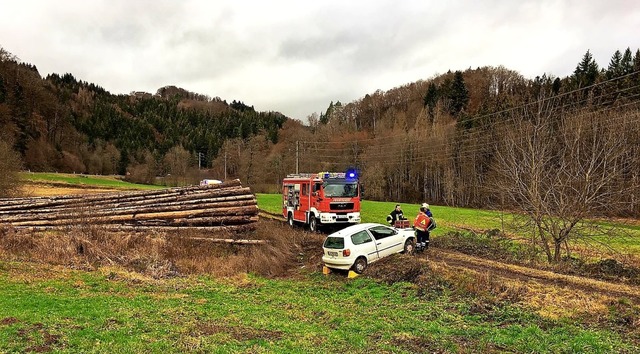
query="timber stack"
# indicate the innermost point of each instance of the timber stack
(225, 206)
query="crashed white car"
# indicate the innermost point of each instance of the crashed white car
(356, 246)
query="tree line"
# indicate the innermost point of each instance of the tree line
(435, 140)
(60, 123)
(557, 149)
(438, 140)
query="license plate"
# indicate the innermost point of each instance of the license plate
(333, 254)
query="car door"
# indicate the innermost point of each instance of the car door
(364, 245)
(387, 240)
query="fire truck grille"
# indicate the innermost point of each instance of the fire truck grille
(341, 206)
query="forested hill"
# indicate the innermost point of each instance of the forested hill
(490, 137)
(60, 123)
(483, 136)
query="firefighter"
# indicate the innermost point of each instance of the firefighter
(428, 212)
(396, 215)
(421, 224)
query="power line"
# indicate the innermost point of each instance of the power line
(522, 106)
(447, 144)
(469, 135)
(473, 149)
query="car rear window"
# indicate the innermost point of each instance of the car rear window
(380, 232)
(360, 238)
(334, 242)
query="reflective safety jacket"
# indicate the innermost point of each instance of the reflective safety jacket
(422, 222)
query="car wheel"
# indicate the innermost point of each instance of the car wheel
(409, 247)
(313, 224)
(290, 219)
(360, 265)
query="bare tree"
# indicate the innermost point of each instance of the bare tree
(177, 163)
(560, 171)
(10, 165)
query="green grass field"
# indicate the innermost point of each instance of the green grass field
(85, 180)
(625, 240)
(55, 309)
(106, 312)
(448, 218)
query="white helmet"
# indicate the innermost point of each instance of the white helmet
(425, 205)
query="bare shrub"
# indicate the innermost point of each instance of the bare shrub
(163, 255)
(10, 165)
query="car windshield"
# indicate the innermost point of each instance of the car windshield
(333, 189)
(334, 242)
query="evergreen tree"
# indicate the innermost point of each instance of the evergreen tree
(557, 83)
(3, 90)
(626, 63)
(615, 68)
(327, 115)
(635, 77)
(430, 99)
(459, 94)
(586, 72)
(324, 119)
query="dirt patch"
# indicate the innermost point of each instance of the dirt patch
(238, 333)
(397, 268)
(39, 339)
(7, 321)
(612, 269)
(414, 344)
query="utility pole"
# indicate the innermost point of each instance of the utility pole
(225, 164)
(200, 156)
(297, 155)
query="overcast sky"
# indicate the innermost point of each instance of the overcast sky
(297, 56)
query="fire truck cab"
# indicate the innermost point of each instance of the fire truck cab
(326, 198)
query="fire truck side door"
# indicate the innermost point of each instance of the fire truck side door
(303, 206)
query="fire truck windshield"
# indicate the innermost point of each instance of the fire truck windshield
(334, 189)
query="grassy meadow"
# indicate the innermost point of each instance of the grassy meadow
(625, 239)
(84, 180)
(48, 309)
(84, 291)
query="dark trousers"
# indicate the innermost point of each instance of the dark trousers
(423, 236)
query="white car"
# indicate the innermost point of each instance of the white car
(356, 246)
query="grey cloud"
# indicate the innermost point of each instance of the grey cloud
(296, 57)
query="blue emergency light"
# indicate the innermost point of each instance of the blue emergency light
(351, 174)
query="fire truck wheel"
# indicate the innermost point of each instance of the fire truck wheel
(290, 219)
(360, 265)
(313, 224)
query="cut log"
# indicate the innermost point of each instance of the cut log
(222, 205)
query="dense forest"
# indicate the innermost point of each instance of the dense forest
(480, 137)
(60, 123)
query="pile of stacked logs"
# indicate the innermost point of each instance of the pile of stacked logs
(225, 206)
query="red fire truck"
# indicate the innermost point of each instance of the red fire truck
(326, 198)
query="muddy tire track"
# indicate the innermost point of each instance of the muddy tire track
(526, 274)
